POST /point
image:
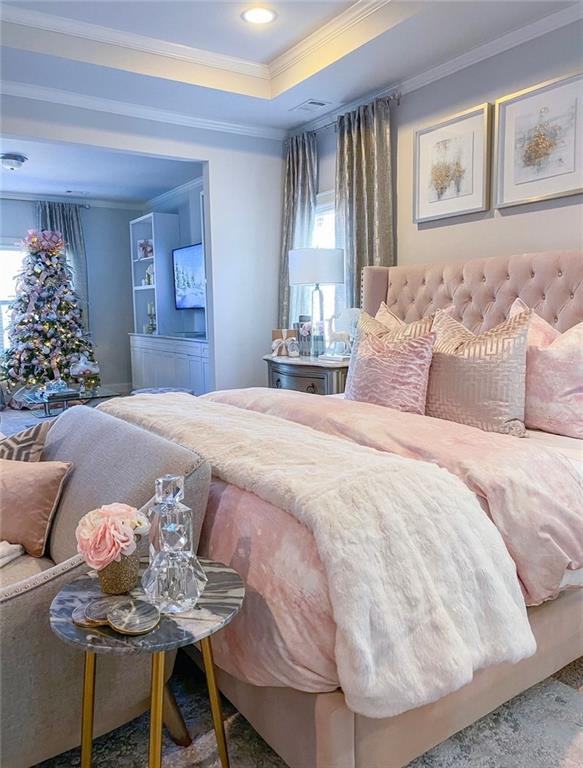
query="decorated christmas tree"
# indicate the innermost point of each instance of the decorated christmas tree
(45, 330)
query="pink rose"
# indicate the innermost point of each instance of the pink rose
(137, 521)
(108, 542)
(105, 534)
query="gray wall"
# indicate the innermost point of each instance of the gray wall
(541, 226)
(107, 244)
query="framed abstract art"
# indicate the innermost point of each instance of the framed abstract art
(452, 166)
(539, 142)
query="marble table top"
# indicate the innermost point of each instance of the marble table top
(219, 603)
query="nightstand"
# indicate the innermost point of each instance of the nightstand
(307, 374)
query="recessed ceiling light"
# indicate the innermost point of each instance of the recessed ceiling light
(258, 15)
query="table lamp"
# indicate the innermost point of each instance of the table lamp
(316, 266)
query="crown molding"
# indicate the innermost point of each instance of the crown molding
(481, 53)
(337, 26)
(87, 31)
(139, 111)
(329, 32)
(52, 35)
(88, 202)
(183, 189)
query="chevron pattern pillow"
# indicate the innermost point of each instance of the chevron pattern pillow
(26, 445)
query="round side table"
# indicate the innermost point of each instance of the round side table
(218, 604)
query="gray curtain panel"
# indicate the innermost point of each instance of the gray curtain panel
(300, 187)
(364, 198)
(66, 218)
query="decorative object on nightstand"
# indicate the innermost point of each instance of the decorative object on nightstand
(315, 266)
(315, 375)
(280, 341)
(303, 329)
(219, 604)
(341, 333)
(107, 539)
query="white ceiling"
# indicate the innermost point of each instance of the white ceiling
(198, 64)
(213, 26)
(88, 172)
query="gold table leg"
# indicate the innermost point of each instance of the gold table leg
(209, 670)
(87, 711)
(156, 710)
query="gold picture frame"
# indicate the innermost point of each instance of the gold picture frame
(428, 204)
(538, 140)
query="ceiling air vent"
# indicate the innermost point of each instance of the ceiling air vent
(311, 105)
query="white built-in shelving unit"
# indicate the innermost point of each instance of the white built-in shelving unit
(162, 230)
(175, 354)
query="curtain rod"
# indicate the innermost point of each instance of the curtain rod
(394, 97)
(8, 196)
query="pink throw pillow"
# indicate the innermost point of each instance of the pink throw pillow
(554, 376)
(391, 373)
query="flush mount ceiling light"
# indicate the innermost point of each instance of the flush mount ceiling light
(259, 15)
(11, 162)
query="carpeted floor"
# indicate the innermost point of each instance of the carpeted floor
(542, 728)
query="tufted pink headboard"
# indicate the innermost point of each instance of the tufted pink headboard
(482, 290)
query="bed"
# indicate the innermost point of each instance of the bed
(314, 727)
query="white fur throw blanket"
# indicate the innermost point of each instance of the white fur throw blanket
(422, 588)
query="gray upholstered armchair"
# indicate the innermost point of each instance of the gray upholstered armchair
(41, 677)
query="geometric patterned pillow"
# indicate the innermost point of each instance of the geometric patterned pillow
(479, 380)
(26, 445)
(397, 327)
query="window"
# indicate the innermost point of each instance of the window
(324, 236)
(10, 264)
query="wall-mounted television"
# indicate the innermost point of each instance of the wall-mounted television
(189, 277)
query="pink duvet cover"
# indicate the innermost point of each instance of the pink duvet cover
(285, 633)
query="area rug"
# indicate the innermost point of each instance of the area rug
(541, 728)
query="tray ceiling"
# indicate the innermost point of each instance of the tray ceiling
(199, 64)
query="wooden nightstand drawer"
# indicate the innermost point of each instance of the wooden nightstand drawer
(314, 385)
(318, 377)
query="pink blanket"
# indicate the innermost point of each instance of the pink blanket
(534, 496)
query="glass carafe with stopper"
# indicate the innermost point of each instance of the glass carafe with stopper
(174, 579)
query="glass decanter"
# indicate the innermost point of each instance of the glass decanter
(174, 579)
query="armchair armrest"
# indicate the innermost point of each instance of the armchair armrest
(54, 578)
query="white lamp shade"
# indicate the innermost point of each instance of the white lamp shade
(308, 266)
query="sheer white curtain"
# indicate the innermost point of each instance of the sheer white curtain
(299, 210)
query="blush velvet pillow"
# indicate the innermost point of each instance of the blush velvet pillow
(554, 376)
(390, 372)
(29, 494)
